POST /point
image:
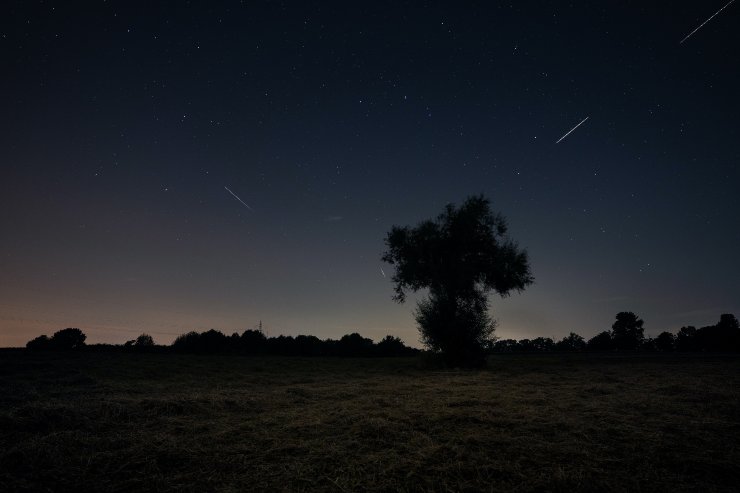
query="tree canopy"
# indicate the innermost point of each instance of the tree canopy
(460, 257)
(627, 331)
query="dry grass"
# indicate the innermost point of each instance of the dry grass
(527, 423)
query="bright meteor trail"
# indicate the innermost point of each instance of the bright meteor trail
(702, 24)
(564, 136)
(237, 198)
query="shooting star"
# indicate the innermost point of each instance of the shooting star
(702, 24)
(237, 198)
(571, 130)
(381, 271)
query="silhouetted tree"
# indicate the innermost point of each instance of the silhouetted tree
(627, 331)
(724, 336)
(571, 342)
(524, 346)
(309, 346)
(728, 333)
(391, 346)
(665, 341)
(543, 344)
(253, 341)
(686, 339)
(67, 339)
(460, 257)
(505, 346)
(187, 342)
(729, 322)
(284, 345)
(213, 341)
(355, 345)
(144, 340)
(40, 343)
(648, 344)
(600, 342)
(210, 341)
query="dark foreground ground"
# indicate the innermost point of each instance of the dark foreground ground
(128, 422)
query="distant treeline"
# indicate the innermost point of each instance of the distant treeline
(628, 334)
(251, 342)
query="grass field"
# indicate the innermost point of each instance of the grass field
(129, 422)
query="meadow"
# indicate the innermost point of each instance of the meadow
(572, 422)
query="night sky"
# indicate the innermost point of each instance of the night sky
(124, 123)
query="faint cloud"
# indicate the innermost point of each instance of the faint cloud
(333, 219)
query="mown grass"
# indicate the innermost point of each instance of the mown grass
(130, 422)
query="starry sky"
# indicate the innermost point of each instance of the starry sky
(129, 130)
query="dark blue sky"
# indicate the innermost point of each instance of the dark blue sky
(122, 122)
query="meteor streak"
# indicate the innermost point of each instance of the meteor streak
(702, 24)
(564, 136)
(237, 198)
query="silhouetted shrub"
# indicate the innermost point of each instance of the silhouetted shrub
(67, 339)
